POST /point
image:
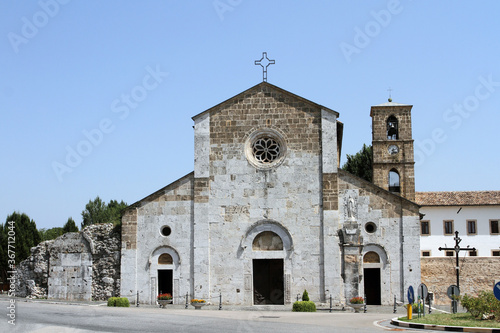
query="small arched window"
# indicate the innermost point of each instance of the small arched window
(394, 185)
(392, 128)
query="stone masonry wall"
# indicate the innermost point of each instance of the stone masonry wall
(105, 260)
(476, 274)
(33, 273)
(83, 265)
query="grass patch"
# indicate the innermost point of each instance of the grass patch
(457, 319)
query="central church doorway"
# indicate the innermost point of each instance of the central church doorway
(268, 285)
(165, 281)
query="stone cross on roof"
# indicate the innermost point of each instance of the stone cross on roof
(264, 62)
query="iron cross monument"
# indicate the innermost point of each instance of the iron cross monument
(457, 249)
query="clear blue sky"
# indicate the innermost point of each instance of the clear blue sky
(67, 68)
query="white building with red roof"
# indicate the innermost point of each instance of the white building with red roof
(474, 214)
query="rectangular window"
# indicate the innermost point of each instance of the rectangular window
(495, 253)
(425, 228)
(450, 253)
(448, 227)
(426, 253)
(494, 227)
(471, 227)
(473, 253)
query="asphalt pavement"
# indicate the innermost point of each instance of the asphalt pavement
(69, 316)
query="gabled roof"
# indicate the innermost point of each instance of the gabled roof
(155, 195)
(458, 198)
(262, 85)
(371, 185)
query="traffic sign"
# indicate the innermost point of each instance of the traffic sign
(453, 291)
(422, 291)
(411, 295)
(496, 290)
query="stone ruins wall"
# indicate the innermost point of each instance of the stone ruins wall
(75, 266)
(476, 274)
(105, 260)
(33, 273)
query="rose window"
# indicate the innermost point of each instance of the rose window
(266, 150)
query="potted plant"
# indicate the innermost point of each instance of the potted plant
(198, 303)
(164, 299)
(356, 303)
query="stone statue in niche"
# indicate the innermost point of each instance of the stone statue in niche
(350, 208)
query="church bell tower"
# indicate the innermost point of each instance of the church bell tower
(392, 144)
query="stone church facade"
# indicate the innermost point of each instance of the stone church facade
(267, 211)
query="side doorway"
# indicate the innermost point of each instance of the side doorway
(165, 281)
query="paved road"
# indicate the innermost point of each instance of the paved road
(45, 317)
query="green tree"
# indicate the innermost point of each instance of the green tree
(95, 212)
(49, 234)
(18, 234)
(98, 211)
(115, 211)
(360, 164)
(70, 226)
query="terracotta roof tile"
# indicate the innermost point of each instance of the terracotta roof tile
(458, 198)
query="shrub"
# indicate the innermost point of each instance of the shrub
(485, 306)
(305, 296)
(304, 306)
(119, 301)
(112, 301)
(122, 302)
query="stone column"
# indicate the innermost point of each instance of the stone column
(351, 259)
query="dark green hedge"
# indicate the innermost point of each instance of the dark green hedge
(304, 306)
